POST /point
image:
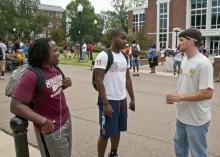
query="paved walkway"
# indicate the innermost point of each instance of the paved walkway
(150, 128)
(7, 147)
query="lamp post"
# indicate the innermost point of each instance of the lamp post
(95, 23)
(177, 30)
(80, 9)
(15, 33)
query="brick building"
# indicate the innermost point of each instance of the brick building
(55, 13)
(160, 18)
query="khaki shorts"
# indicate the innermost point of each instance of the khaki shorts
(2, 65)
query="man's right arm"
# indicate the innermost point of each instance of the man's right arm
(99, 77)
(20, 109)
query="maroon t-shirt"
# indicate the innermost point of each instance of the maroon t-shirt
(51, 102)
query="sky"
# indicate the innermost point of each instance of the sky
(99, 5)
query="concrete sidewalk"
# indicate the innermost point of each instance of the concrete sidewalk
(7, 147)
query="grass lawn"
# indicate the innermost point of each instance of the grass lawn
(75, 62)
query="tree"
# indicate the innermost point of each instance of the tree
(119, 17)
(58, 36)
(23, 15)
(87, 20)
(144, 41)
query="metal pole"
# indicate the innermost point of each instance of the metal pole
(95, 35)
(176, 38)
(80, 37)
(19, 127)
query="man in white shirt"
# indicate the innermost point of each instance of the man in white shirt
(177, 61)
(3, 49)
(193, 94)
(112, 87)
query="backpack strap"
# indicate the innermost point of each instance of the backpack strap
(40, 79)
(58, 68)
(110, 59)
(126, 57)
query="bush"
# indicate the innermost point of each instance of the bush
(97, 48)
(60, 49)
(143, 54)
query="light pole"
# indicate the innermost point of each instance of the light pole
(80, 9)
(15, 33)
(177, 30)
(95, 23)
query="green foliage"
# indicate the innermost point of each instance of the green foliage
(97, 48)
(60, 49)
(23, 15)
(119, 17)
(88, 38)
(130, 38)
(87, 21)
(144, 41)
(58, 36)
(106, 39)
(143, 54)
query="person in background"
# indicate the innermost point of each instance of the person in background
(153, 58)
(3, 49)
(162, 54)
(84, 51)
(77, 50)
(177, 61)
(135, 52)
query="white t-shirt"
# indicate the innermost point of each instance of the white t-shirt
(4, 49)
(115, 78)
(196, 74)
(84, 47)
(178, 57)
(162, 53)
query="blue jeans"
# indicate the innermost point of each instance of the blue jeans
(135, 62)
(193, 138)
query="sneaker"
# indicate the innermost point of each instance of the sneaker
(137, 74)
(134, 75)
(114, 155)
(174, 74)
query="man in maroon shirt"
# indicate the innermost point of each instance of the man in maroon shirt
(49, 113)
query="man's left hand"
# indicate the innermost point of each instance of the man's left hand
(172, 97)
(132, 105)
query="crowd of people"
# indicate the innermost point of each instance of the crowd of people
(12, 55)
(49, 111)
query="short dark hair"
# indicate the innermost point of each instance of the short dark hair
(39, 52)
(192, 33)
(116, 31)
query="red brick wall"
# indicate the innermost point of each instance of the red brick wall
(177, 16)
(151, 17)
(130, 21)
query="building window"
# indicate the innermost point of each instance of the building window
(215, 14)
(198, 14)
(215, 46)
(163, 25)
(138, 22)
